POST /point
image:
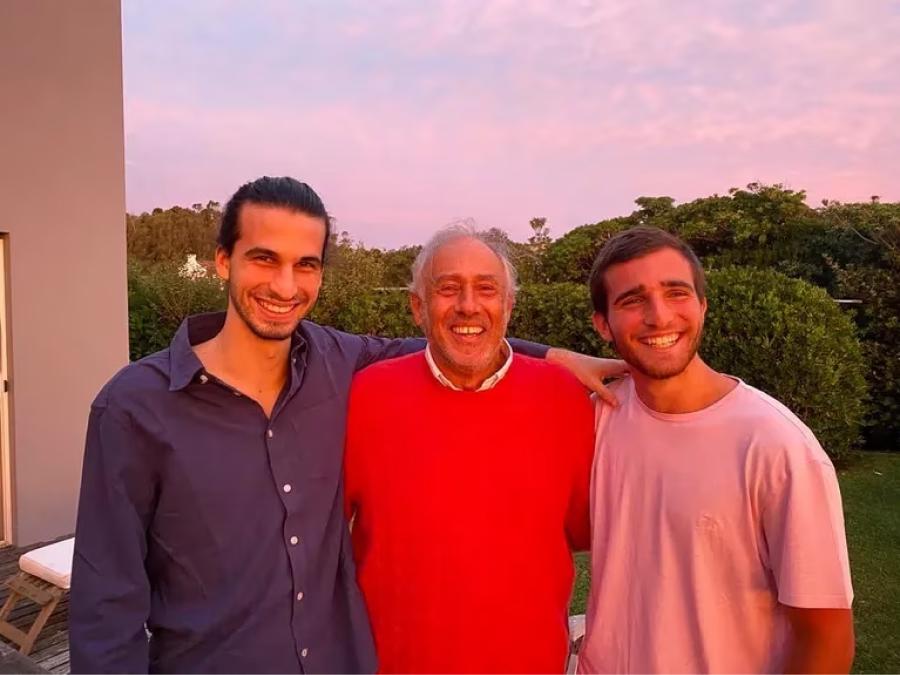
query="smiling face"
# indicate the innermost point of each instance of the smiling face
(464, 307)
(654, 317)
(275, 270)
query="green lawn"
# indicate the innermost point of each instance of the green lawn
(871, 493)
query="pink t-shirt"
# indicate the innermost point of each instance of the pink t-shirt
(704, 524)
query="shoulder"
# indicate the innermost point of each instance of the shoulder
(550, 381)
(388, 372)
(778, 436)
(326, 338)
(135, 382)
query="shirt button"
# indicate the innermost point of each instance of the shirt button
(300, 595)
(304, 652)
(203, 379)
(237, 393)
(295, 540)
(286, 487)
(270, 433)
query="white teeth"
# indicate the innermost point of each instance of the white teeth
(468, 330)
(277, 309)
(662, 341)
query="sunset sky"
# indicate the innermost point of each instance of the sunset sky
(405, 115)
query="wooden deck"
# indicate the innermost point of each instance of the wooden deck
(51, 651)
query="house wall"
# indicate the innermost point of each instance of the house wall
(62, 205)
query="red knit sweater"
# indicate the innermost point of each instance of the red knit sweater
(466, 504)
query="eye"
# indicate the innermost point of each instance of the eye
(264, 258)
(631, 301)
(308, 264)
(487, 289)
(448, 289)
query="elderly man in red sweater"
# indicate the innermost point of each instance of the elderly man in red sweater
(466, 473)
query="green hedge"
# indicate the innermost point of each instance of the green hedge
(790, 339)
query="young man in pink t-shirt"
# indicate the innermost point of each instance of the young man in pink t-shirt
(717, 531)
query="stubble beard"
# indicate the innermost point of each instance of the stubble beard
(665, 372)
(262, 330)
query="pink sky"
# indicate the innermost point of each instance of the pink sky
(406, 115)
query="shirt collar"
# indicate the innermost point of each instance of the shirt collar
(489, 383)
(183, 362)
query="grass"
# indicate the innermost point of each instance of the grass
(871, 493)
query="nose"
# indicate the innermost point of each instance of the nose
(657, 312)
(282, 284)
(465, 301)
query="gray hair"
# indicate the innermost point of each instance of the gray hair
(450, 233)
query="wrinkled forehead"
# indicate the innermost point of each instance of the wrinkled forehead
(465, 258)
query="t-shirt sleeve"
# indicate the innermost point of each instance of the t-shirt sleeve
(803, 523)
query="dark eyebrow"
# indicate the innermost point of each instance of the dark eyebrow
(678, 283)
(669, 283)
(635, 290)
(314, 259)
(259, 250)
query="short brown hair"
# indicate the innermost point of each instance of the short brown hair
(637, 242)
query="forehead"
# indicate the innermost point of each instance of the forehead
(465, 257)
(649, 270)
(278, 227)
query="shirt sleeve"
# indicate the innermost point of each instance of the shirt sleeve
(378, 348)
(803, 523)
(110, 595)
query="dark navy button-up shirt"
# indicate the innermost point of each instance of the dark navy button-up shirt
(220, 529)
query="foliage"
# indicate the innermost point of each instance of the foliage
(158, 301)
(165, 236)
(558, 315)
(570, 257)
(878, 319)
(788, 338)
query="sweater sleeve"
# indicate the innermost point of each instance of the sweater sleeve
(580, 434)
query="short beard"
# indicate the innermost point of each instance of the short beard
(276, 334)
(660, 374)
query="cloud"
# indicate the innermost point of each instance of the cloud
(409, 114)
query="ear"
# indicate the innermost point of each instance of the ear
(602, 326)
(223, 263)
(418, 309)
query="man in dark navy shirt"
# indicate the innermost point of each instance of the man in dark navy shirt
(211, 502)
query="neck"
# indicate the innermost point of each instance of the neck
(696, 387)
(239, 356)
(471, 380)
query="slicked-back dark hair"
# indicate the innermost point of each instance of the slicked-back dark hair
(637, 242)
(286, 192)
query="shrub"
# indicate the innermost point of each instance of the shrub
(790, 339)
(369, 312)
(159, 300)
(878, 319)
(558, 315)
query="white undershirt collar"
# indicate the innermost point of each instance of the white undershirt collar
(489, 383)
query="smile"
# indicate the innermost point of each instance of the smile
(276, 308)
(467, 330)
(661, 341)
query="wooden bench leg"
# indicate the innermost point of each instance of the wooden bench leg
(47, 596)
(38, 624)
